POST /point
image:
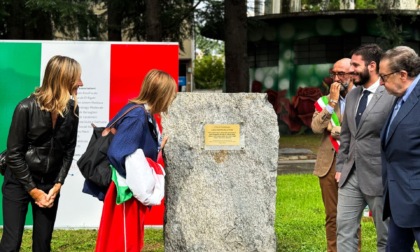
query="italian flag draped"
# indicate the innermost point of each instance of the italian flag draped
(122, 226)
(126, 204)
(320, 104)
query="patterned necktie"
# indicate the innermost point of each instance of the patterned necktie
(362, 106)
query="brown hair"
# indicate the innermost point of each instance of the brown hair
(59, 84)
(158, 91)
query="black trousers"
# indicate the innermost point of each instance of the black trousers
(15, 206)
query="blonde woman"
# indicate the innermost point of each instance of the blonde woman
(41, 144)
(135, 146)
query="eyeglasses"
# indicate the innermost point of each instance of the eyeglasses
(339, 74)
(384, 77)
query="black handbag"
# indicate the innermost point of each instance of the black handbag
(3, 162)
(94, 163)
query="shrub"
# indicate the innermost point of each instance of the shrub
(209, 72)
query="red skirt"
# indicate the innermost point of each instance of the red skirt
(122, 226)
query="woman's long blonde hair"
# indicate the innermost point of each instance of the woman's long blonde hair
(158, 91)
(59, 84)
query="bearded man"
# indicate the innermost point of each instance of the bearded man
(358, 168)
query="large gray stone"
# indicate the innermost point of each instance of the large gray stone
(222, 199)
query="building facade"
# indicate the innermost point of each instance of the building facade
(290, 54)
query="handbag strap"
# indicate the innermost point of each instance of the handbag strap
(126, 112)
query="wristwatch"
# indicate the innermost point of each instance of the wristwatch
(333, 101)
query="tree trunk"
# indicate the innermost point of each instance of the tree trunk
(15, 21)
(114, 21)
(42, 29)
(153, 25)
(237, 70)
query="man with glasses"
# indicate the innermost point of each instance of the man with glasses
(359, 157)
(400, 140)
(326, 120)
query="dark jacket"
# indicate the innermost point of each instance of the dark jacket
(37, 153)
(401, 163)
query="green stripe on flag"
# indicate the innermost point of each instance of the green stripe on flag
(325, 100)
(335, 120)
(20, 72)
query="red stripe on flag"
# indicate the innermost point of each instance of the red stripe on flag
(129, 64)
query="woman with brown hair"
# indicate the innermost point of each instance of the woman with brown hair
(40, 145)
(135, 146)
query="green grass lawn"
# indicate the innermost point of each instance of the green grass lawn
(300, 216)
(299, 223)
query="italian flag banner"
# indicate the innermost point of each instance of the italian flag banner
(112, 73)
(320, 104)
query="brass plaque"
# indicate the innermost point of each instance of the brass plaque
(222, 135)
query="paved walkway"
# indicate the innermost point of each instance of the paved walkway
(295, 161)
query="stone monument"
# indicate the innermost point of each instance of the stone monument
(221, 169)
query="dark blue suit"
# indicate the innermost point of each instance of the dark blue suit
(401, 169)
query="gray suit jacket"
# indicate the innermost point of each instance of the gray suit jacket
(362, 146)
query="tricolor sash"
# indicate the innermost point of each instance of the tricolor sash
(320, 104)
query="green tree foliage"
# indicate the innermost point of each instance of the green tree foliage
(227, 20)
(175, 18)
(210, 19)
(88, 19)
(209, 72)
(40, 19)
(209, 46)
(389, 25)
(332, 5)
(365, 4)
(130, 18)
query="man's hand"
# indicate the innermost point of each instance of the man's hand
(335, 91)
(329, 127)
(337, 176)
(335, 132)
